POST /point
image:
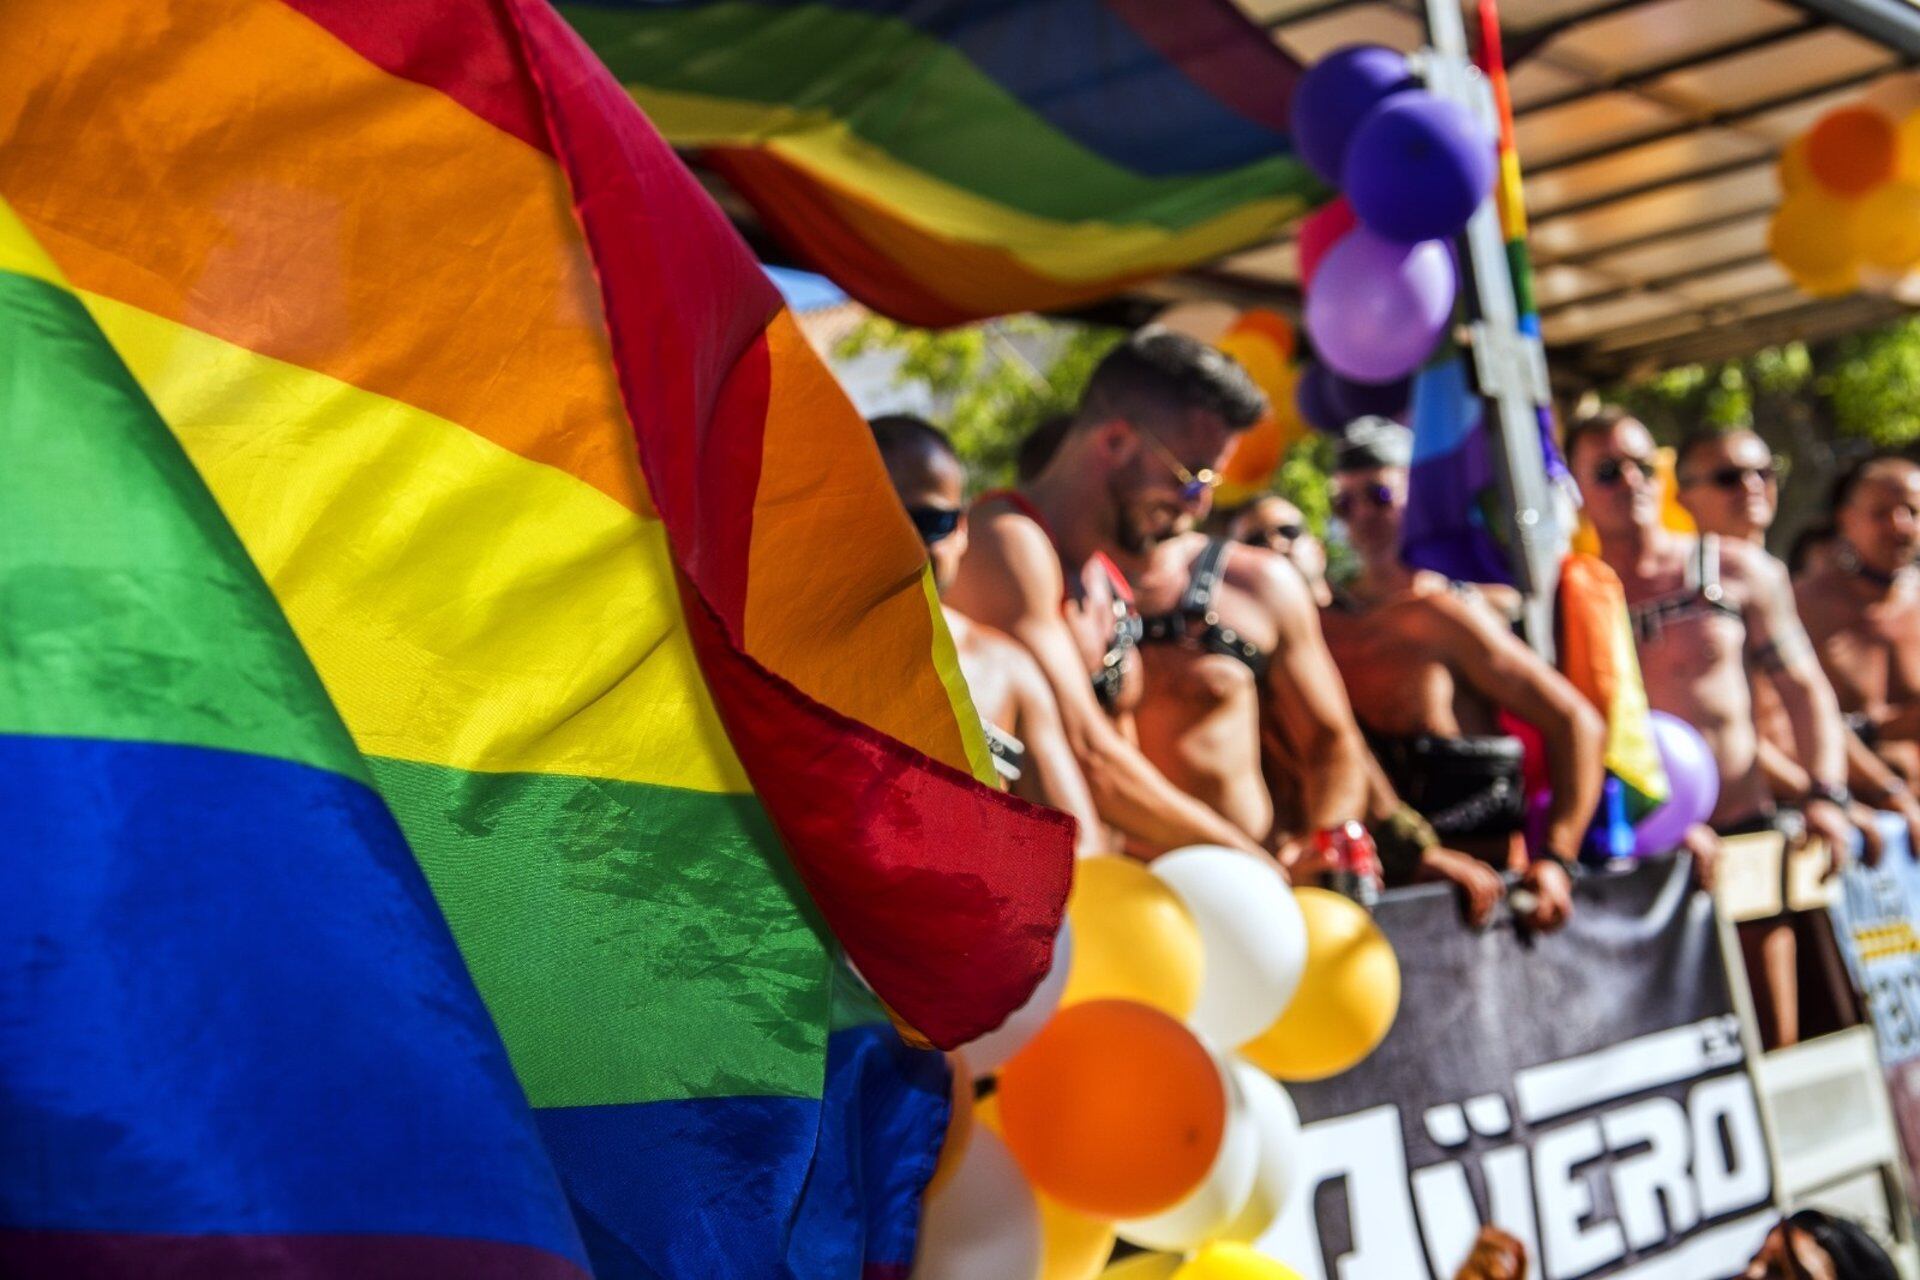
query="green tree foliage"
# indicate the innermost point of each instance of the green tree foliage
(996, 381)
(1873, 385)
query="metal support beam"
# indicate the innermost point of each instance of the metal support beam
(1510, 368)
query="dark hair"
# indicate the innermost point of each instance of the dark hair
(1850, 480)
(1157, 373)
(1605, 418)
(1041, 443)
(1804, 544)
(899, 434)
(1700, 438)
(1856, 1255)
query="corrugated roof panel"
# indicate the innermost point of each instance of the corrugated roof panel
(1817, 58)
(1651, 34)
(1584, 320)
(1671, 256)
(1668, 208)
(1578, 127)
(1665, 160)
(1733, 284)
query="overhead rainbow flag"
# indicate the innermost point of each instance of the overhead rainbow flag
(949, 160)
(597, 564)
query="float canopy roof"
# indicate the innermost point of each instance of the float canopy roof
(1648, 134)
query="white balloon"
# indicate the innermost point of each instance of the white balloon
(986, 1053)
(1278, 1125)
(1216, 1203)
(1252, 937)
(984, 1224)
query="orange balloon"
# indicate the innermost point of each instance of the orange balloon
(1272, 325)
(1852, 150)
(959, 1123)
(1114, 1109)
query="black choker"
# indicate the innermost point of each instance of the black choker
(1849, 559)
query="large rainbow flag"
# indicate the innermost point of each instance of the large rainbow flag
(948, 160)
(235, 1035)
(598, 567)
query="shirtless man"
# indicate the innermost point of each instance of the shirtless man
(1430, 667)
(1728, 485)
(1272, 522)
(1706, 612)
(1022, 724)
(1134, 469)
(1864, 609)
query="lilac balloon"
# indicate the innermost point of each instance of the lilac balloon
(1377, 308)
(1417, 167)
(1693, 786)
(1313, 395)
(1381, 399)
(1335, 94)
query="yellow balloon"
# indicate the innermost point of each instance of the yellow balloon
(1791, 168)
(1133, 939)
(1812, 235)
(1667, 480)
(1145, 1266)
(1887, 226)
(1072, 1245)
(1907, 153)
(1224, 1261)
(1348, 996)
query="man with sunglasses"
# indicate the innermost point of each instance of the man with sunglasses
(1134, 469)
(1729, 483)
(1270, 521)
(1708, 614)
(1431, 667)
(1017, 710)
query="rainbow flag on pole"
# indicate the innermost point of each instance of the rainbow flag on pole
(948, 160)
(596, 563)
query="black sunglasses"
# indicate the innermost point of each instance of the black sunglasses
(1274, 538)
(1379, 495)
(1611, 471)
(1735, 477)
(934, 523)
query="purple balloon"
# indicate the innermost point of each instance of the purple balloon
(1335, 94)
(1417, 167)
(1693, 786)
(1378, 307)
(1313, 395)
(1382, 399)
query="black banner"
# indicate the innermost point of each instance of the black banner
(1587, 1091)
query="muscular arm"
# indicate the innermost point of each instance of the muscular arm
(1056, 778)
(1305, 698)
(1508, 674)
(1011, 579)
(1777, 646)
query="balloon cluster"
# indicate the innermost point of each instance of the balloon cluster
(1263, 342)
(1850, 216)
(1379, 273)
(1136, 1092)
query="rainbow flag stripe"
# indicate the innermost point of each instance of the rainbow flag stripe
(947, 160)
(235, 1035)
(597, 564)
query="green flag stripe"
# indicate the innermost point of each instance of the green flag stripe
(110, 603)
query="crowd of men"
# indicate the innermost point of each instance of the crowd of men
(1171, 674)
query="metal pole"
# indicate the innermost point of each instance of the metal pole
(1510, 368)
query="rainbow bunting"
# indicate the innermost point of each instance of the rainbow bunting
(597, 565)
(948, 160)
